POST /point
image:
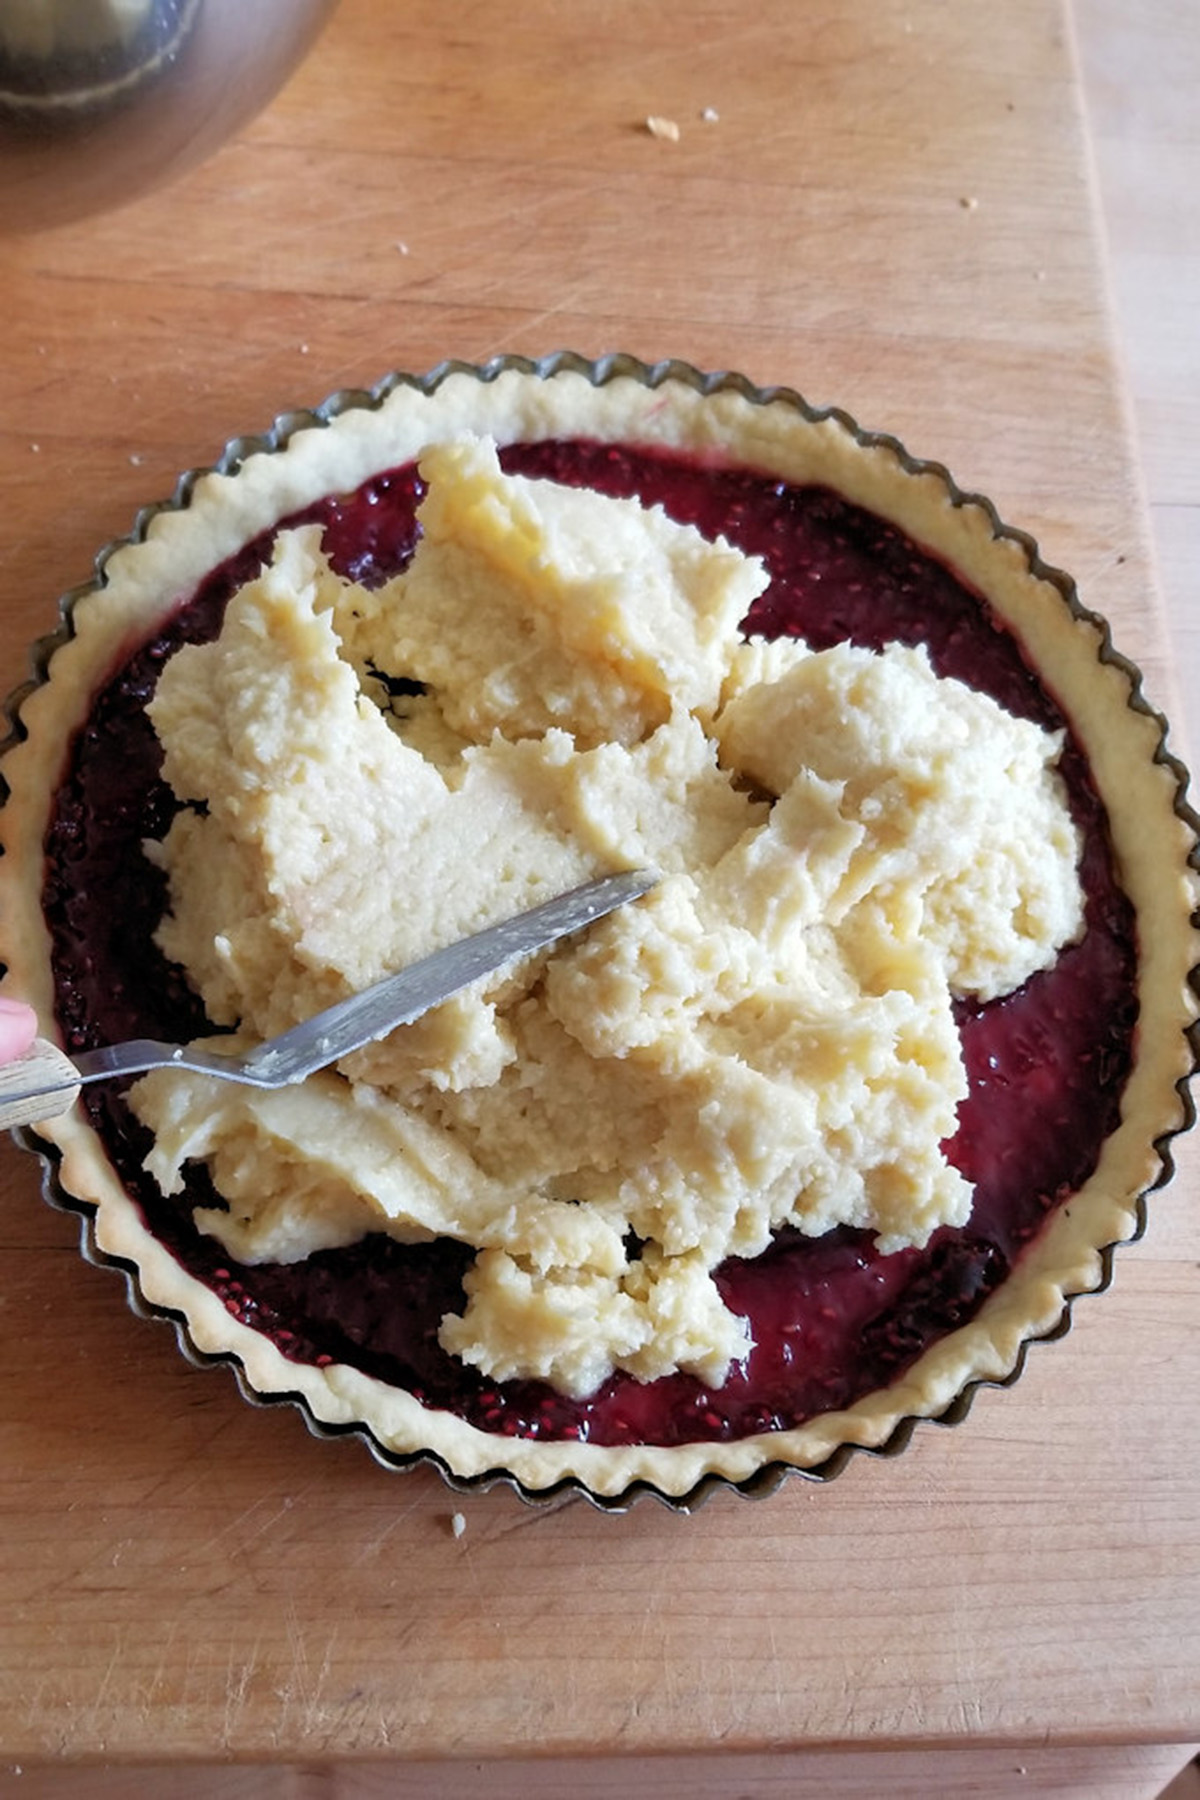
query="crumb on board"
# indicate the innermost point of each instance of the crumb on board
(662, 128)
(710, 115)
(968, 202)
(458, 1524)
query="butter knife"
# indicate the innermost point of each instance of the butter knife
(45, 1081)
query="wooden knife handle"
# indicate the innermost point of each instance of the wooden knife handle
(43, 1061)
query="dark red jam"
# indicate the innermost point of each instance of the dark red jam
(832, 1319)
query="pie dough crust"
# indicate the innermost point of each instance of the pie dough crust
(620, 400)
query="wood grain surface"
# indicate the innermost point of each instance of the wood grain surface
(891, 210)
(1141, 75)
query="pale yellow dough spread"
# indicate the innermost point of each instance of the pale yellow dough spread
(845, 843)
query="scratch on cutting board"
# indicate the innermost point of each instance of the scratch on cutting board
(110, 1669)
(1104, 563)
(468, 1561)
(777, 1687)
(536, 322)
(312, 1709)
(308, 1689)
(734, 42)
(374, 1545)
(531, 1519)
(237, 1687)
(91, 1725)
(243, 1529)
(160, 1679)
(964, 1649)
(189, 1469)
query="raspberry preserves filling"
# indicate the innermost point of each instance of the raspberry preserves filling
(831, 1318)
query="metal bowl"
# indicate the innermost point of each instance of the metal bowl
(102, 100)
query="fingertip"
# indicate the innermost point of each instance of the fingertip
(18, 1028)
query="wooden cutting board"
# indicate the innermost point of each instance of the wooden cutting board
(884, 203)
